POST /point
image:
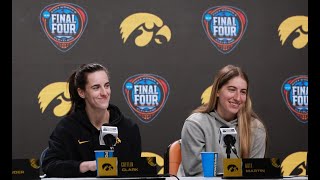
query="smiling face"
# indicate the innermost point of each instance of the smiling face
(231, 98)
(97, 91)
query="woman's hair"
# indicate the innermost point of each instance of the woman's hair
(78, 79)
(245, 114)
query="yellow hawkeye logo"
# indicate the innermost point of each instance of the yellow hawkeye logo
(56, 94)
(296, 26)
(82, 142)
(118, 140)
(147, 26)
(205, 97)
(295, 164)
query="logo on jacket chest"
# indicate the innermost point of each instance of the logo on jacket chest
(82, 142)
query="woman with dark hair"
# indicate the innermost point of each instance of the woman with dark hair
(229, 106)
(76, 136)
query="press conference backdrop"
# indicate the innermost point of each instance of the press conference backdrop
(162, 55)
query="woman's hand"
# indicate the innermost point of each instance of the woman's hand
(88, 166)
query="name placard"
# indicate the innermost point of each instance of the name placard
(25, 169)
(141, 167)
(115, 167)
(232, 167)
(107, 167)
(252, 168)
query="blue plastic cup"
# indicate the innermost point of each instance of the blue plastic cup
(209, 163)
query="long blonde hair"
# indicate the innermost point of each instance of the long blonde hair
(245, 114)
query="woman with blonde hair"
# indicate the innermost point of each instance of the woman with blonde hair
(229, 106)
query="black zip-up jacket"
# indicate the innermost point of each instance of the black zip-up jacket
(75, 139)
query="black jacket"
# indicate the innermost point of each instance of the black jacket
(66, 151)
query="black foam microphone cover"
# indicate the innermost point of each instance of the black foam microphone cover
(110, 140)
(228, 139)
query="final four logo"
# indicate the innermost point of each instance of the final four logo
(224, 26)
(146, 95)
(63, 24)
(295, 93)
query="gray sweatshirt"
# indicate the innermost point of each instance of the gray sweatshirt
(200, 133)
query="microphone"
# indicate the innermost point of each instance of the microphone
(227, 137)
(108, 135)
(109, 140)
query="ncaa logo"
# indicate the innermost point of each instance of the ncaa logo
(295, 94)
(63, 24)
(146, 95)
(224, 26)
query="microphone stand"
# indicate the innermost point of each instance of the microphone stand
(228, 151)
